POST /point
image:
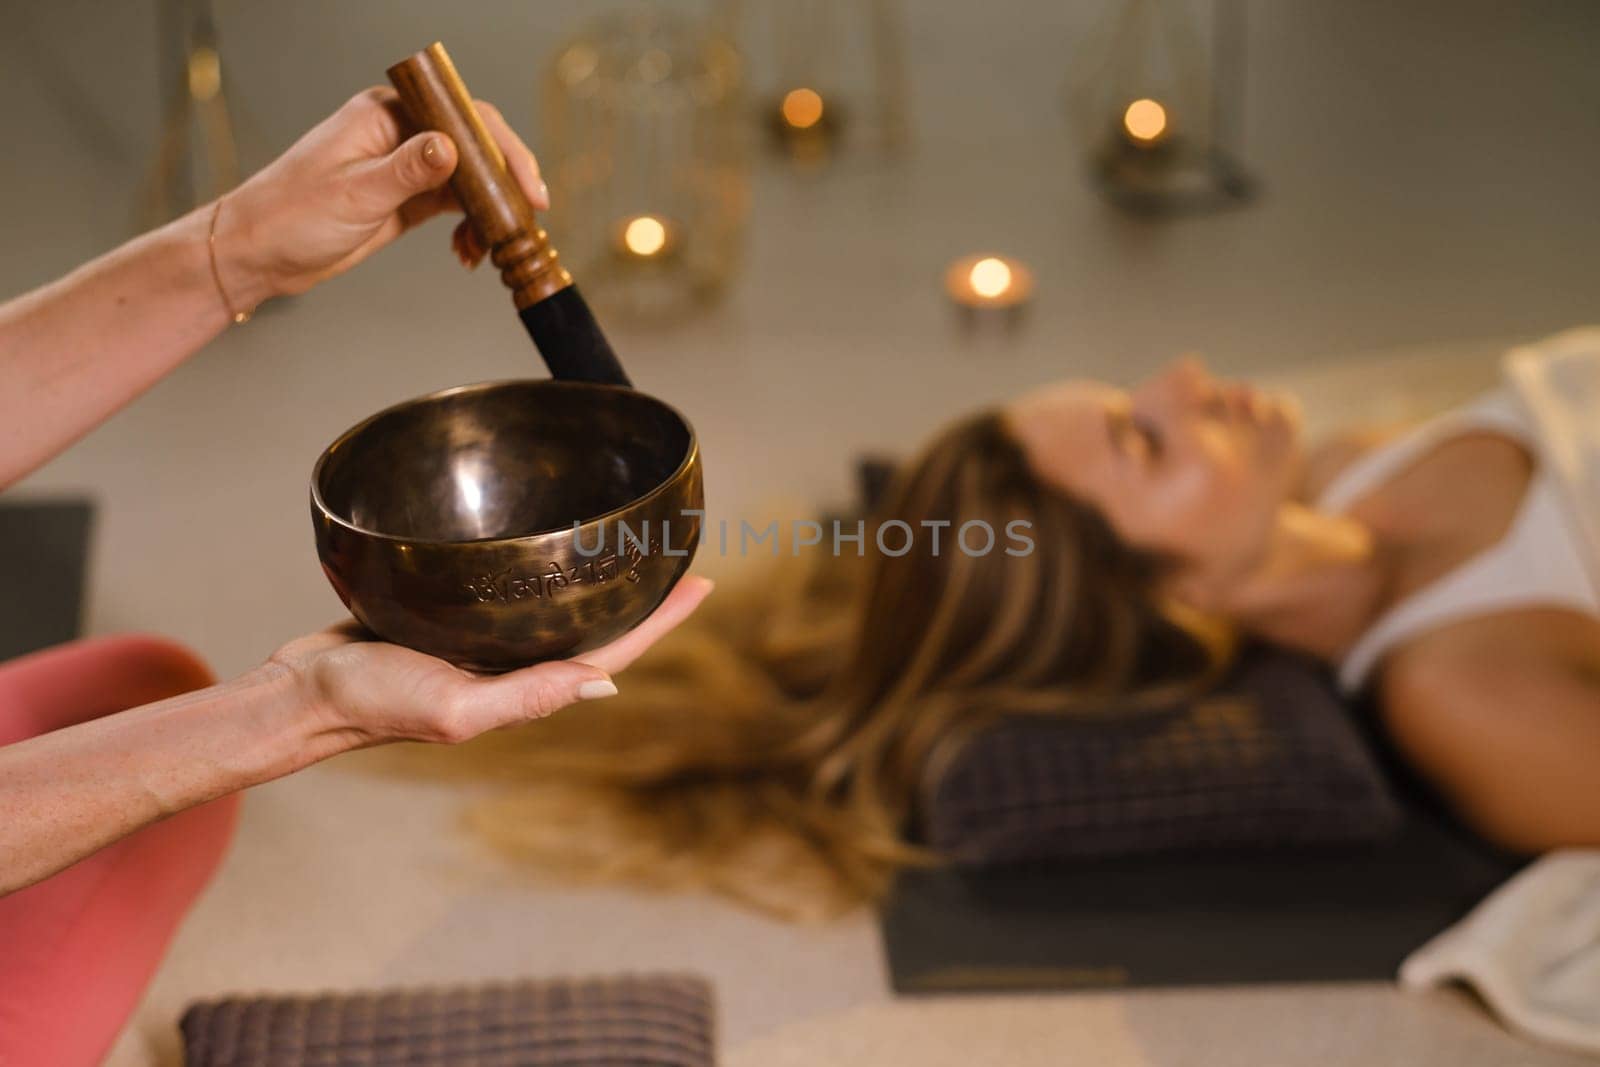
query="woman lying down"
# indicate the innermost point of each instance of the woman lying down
(772, 749)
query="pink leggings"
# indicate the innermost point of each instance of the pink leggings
(77, 949)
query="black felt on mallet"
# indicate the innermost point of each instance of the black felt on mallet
(569, 339)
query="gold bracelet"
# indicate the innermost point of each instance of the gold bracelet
(239, 317)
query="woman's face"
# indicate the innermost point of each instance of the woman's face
(1184, 464)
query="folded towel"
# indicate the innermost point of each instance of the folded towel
(1531, 950)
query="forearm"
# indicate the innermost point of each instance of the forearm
(79, 349)
(68, 793)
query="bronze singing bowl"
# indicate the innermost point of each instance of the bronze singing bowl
(502, 524)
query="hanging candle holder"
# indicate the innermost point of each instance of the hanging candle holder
(1156, 97)
(197, 154)
(646, 153)
(829, 75)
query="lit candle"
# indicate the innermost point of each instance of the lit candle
(1145, 122)
(645, 238)
(989, 281)
(802, 108)
(804, 122)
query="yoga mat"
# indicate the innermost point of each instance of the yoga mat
(44, 551)
(1325, 914)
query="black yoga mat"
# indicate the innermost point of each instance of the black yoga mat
(1325, 914)
(44, 551)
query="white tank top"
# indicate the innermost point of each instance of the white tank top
(1538, 563)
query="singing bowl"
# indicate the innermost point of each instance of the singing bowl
(502, 524)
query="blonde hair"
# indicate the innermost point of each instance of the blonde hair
(775, 748)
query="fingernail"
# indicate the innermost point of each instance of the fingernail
(597, 688)
(544, 192)
(433, 152)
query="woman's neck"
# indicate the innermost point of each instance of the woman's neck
(1317, 584)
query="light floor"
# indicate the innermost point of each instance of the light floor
(1429, 193)
(341, 880)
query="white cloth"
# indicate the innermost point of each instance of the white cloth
(1531, 950)
(1558, 382)
(1550, 553)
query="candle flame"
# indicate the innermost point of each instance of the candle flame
(645, 235)
(990, 277)
(1145, 120)
(802, 108)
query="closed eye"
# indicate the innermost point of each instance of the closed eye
(1133, 435)
(1148, 431)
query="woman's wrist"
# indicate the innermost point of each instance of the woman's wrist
(251, 729)
(327, 693)
(243, 282)
(218, 271)
(314, 727)
(283, 731)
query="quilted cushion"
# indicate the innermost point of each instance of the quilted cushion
(1272, 757)
(637, 1020)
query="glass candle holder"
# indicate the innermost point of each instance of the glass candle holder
(830, 74)
(1157, 101)
(646, 156)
